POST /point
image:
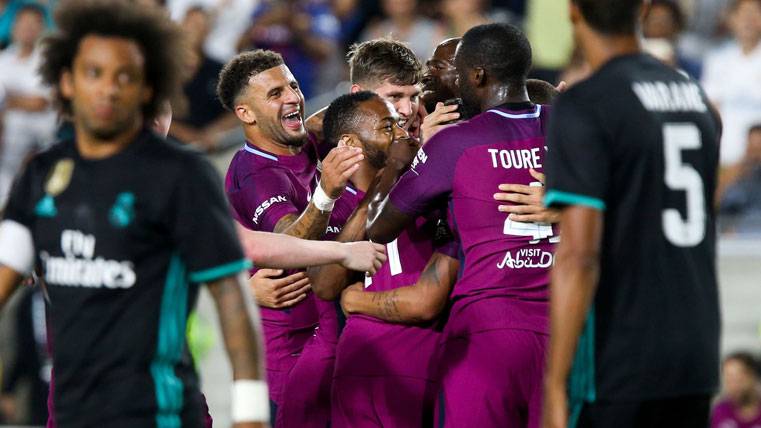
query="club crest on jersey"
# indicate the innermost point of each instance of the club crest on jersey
(58, 181)
(123, 211)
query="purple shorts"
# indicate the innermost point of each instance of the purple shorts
(492, 379)
(305, 401)
(373, 402)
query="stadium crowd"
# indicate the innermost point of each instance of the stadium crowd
(313, 112)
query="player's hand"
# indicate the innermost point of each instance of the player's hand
(562, 86)
(348, 297)
(555, 408)
(527, 204)
(337, 167)
(363, 256)
(402, 151)
(437, 120)
(413, 126)
(278, 293)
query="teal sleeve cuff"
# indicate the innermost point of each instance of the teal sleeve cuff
(220, 271)
(557, 197)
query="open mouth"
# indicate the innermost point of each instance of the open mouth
(292, 120)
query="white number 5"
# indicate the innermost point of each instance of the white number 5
(681, 176)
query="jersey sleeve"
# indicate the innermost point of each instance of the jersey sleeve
(265, 198)
(202, 227)
(429, 179)
(577, 159)
(16, 242)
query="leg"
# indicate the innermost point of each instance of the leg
(307, 390)
(351, 403)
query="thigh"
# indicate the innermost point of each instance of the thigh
(404, 402)
(306, 394)
(351, 403)
(492, 378)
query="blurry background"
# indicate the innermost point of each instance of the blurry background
(715, 41)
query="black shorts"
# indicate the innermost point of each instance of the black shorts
(682, 412)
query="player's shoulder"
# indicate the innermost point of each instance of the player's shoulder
(46, 158)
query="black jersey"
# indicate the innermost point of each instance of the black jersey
(123, 243)
(638, 141)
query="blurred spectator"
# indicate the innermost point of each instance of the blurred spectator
(665, 21)
(403, 21)
(206, 122)
(8, 11)
(229, 20)
(304, 32)
(548, 28)
(462, 15)
(29, 122)
(732, 78)
(30, 369)
(741, 199)
(740, 403)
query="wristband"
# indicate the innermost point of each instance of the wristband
(321, 200)
(250, 401)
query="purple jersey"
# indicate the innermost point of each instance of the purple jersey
(726, 415)
(372, 347)
(262, 189)
(328, 329)
(507, 263)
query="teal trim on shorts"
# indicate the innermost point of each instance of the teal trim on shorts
(220, 271)
(171, 339)
(565, 198)
(581, 381)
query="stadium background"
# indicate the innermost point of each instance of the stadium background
(313, 36)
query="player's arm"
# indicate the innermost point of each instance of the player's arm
(274, 250)
(249, 400)
(385, 221)
(526, 202)
(9, 282)
(573, 285)
(328, 281)
(337, 167)
(420, 302)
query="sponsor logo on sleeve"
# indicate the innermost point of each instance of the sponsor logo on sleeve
(265, 205)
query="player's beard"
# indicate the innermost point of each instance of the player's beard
(376, 158)
(471, 104)
(109, 132)
(275, 131)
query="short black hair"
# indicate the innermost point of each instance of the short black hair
(32, 6)
(235, 75)
(159, 39)
(501, 49)
(754, 128)
(540, 91)
(750, 361)
(614, 17)
(736, 3)
(343, 115)
(374, 61)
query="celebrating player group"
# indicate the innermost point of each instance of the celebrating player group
(435, 248)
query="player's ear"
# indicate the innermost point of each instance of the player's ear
(66, 84)
(245, 114)
(355, 88)
(478, 76)
(349, 140)
(574, 13)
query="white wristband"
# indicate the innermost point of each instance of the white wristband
(321, 200)
(250, 401)
(16, 247)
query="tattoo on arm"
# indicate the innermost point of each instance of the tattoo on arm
(311, 224)
(237, 328)
(387, 303)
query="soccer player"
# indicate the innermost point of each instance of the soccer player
(390, 69)
(271, 184)
(124, 227)
(307, 389)
(500, 301)
(632, 162)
